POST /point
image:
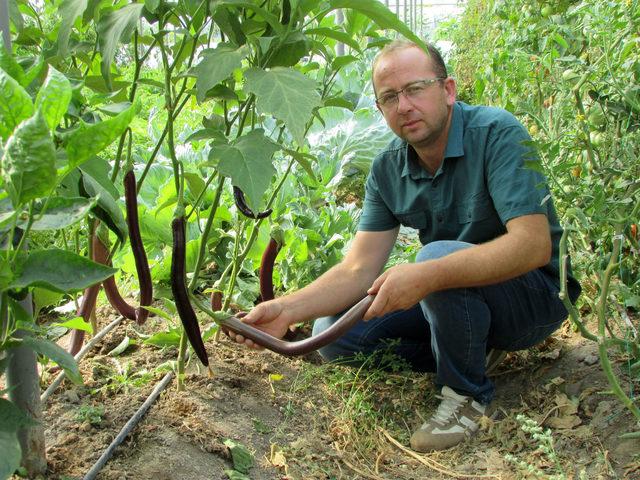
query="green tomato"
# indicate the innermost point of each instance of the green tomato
(597, 118)
(597, 139)
(546, 11)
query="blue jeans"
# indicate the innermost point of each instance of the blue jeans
(449, 332)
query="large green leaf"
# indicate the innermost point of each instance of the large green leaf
(28, 165)
(54, 97)
(15, 104)
(113, 28)
(381, 15)
(62, 212)
(9, 64)
(56, 354)
(58, 270)
(247, 161)
(69, 11)
(216, 65)
(90, 139)
(286, 94)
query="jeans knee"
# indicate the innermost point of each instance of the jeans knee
(332, 351)
(439, 249)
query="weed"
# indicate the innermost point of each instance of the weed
(91, 414)
(122, 378)
(544, 441)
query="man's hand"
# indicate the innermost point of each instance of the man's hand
(399, 288)
(271, 317)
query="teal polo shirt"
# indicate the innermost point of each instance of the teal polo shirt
(481, 185)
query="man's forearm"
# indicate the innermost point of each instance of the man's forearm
(334, 291)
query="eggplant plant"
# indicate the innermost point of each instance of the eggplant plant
(79, 84)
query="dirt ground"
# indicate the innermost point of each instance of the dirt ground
(300, 419)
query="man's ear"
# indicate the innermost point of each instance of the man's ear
(451, 89)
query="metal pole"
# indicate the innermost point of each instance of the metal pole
(4, 23)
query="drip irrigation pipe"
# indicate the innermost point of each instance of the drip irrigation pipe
(129, 426)
(98, 336)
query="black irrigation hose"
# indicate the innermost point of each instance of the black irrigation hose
(129, 426)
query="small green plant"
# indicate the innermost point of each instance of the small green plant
(89, 413)
(123, 378)
(545, 447)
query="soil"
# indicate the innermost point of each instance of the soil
(300, 419)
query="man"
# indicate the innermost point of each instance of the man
(487, 275)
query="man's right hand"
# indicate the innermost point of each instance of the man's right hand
(271, 317)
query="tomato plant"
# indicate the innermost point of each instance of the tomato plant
(572, 72)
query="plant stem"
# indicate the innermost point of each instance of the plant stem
(202, 253)
(180, 367)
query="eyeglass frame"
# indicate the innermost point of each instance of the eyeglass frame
(426, 82)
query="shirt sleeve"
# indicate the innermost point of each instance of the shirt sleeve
(376, 216)
(514, 180)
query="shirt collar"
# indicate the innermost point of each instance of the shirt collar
(455, 147)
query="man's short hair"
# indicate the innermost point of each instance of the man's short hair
(437, 63)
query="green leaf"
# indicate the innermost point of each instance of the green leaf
(381, 15)
(247, 161)
(286, 94)
(13, 418)
(195, 183)
(58, 270)
(9, 64)
(44, 298)
(304, 159)
(28, 165)
(77, 323)
(338, 35)
(11, 453)
(54, 97)
(62, 212)
(113, 28)
(151, 5)
(271, 19)
(100, 170)
(240, 455)
(107, 208)
(235, 475)
(290, 51)
(57, 355)
(164, 339)
(217, 65)
(69, 11)
(158, 311)
(15, 104)
(90, 139)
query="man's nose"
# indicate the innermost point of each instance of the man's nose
(404, 105)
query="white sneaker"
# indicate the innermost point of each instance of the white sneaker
(456, 419)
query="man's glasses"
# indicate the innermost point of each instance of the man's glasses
(414, 90)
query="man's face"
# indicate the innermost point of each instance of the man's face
(421, 118)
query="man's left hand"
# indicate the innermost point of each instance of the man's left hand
(399, 288)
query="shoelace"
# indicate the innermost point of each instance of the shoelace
(447, 408)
